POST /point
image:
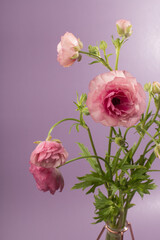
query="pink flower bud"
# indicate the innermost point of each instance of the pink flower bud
(156, 87)
(68, 49)
(124, 28)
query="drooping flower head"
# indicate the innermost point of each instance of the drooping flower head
(49, 154)
(116, 99)
(68, 49)
(124, 28)
(47, 179)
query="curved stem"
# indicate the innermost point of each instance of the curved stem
(63, 120)
(153, 140)
(125, 134)
(83, 157)
(106, 64)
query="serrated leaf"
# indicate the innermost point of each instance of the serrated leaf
(85, 152)
(92, 180)
(150, 160)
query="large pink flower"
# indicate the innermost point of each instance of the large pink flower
(116, 99)
(47, 179)
(68, 49)
(49, 154)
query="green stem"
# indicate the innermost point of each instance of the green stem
(83, 157)
(149, 102)
(125, 134)
(110, 143)
(150, 136)
(117, 57)
(63, 120)
(106, 64)
(94, 150)
(144, 121)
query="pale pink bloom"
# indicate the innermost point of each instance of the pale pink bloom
(47, 179)
(124, 28)
(49, 154)
(116, 99)
(68, 49)
(156, 87)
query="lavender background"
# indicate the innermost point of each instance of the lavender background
(37, 92)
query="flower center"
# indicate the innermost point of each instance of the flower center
(116, 101)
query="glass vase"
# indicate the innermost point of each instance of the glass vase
(114, 233)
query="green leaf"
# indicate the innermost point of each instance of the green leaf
(124, 167)
(150, 160)
(85, 152)
(106, 209)
(92, 180)
(115, 161)
(94, 62)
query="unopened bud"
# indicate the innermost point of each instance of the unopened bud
(156, 87)
(147, 87)
(120, 141)
(124, 28)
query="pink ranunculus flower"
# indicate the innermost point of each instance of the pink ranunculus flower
(116, 99)
(124, 28)
(68, 49)
(47, 179)
(49, 154)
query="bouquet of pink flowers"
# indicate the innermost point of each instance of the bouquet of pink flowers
(115, 99)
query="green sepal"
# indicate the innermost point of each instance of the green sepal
(103, 45)
(93, 50)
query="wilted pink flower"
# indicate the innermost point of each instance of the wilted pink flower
(47, 179)
(68, 49)
(124, 28)
(49, 154)
(116, 99)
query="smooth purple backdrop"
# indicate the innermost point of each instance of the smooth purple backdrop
(36, 92)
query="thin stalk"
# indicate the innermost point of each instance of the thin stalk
(153, 140)
(125, 134)
(117, 57)
(83, 157)
(110, 143)
(106, 64)
(144, 121)
(94, 149)
(63, 120)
